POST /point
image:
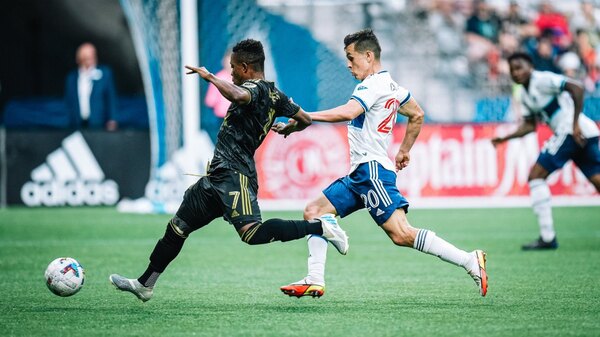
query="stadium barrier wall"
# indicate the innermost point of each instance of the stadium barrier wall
(451, 166)
(75, 168)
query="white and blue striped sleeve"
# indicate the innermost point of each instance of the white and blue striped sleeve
(403, 96)
(365, 94)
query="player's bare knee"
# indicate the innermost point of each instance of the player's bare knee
(537, 172)
(311, 211)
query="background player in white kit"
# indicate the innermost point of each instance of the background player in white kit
(371, 184)
(557, 101)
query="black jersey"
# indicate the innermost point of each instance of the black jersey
(246, 126)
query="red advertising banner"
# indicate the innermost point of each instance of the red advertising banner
(447, 161)
(301, 165)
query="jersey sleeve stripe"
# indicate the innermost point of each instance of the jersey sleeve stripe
(360, 101)
(562, 85)
(405, 99)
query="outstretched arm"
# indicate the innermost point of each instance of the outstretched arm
(526, 127)
(415, 115)
(301, 120)
(342, 113)
(230, 91)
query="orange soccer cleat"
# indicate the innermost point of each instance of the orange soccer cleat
(303, 288)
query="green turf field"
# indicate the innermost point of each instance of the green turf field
(219, 286)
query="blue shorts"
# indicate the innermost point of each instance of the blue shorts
(560, 148)
(370, 186)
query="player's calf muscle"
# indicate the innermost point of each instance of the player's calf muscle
(280, 230)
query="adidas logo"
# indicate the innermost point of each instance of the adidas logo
(167, 185)
(70, 176)
(379, 212)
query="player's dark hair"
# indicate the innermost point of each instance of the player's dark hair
(520, 56)
(364, 40)
(251, 52)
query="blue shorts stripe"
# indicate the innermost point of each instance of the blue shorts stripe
(378, 185)
(386, 198)
(369, 186)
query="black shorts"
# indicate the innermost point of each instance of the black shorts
(226, 193)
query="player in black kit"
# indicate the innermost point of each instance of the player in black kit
(230, 187)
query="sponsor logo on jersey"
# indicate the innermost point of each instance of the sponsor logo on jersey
(362, 87)
(70, 176)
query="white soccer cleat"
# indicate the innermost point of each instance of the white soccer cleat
(131, 285)
(478, 272)
(334, 233)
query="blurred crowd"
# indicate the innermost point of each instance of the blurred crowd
(474, 38)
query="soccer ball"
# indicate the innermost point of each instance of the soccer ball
(64, 276)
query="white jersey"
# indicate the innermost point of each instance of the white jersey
(370, 134)
(545, 99)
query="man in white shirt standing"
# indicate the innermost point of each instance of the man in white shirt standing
(90, 93)
(371, 183)
(557, 101)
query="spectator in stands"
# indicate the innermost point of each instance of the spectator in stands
(587, 19)
(550, 20)
(544, 56)
(570, 65)
(448, 25)
(514, 22)
(587, 54)
(483, 23)
(482, 31)
(90, 92)
(516, 29)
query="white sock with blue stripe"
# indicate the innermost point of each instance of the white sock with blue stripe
(427, 242)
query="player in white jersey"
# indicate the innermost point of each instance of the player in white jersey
(371, 183)
(557, 101)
